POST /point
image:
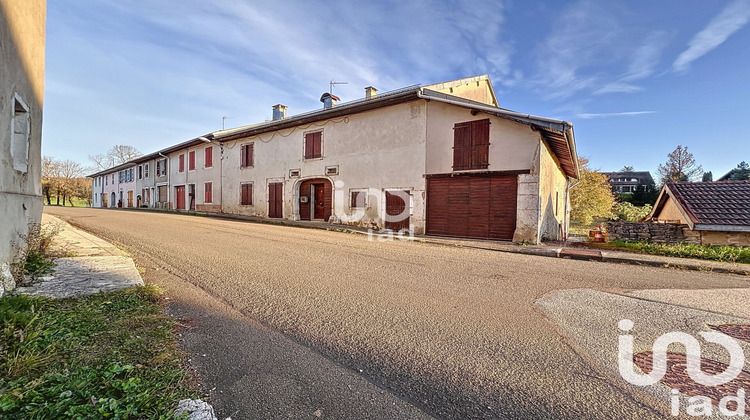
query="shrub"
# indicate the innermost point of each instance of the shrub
(35, 258)
(627, 212)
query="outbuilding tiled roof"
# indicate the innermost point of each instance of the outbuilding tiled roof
(714, 203)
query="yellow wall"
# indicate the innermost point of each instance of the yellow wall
(670, 213)
(476, 88)
(725, 238)
(552, 195)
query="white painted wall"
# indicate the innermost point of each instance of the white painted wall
(198, 177)
(376, 150)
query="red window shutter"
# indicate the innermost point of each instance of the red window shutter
(246, 194)
(208, 193)
(243, 194)
(251, 154)
(461, 146)
(317, 146)
(243, 156)
(480, 144)
(182, 162)
(309, 146)
(209, 157)
(191, 160)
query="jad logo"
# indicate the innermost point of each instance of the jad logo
(714, 384)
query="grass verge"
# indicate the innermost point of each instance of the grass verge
(109, 355)
(734, 254)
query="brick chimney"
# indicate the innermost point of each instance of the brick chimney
(279, 112)
(370, 92)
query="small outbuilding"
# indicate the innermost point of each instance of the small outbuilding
(719, 211)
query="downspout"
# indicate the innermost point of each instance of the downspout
(169, 184)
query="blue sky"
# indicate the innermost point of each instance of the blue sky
(636, 78)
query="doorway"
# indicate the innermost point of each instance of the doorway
(180, 194)
(315, 199)
(275, 200)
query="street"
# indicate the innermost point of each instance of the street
(446, 332)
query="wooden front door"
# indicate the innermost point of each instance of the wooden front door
(275, 200)
(130, 198)
(320, 207)
(397, 210)
(104, 200)
(180, 193)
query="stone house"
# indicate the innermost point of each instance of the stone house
(22, 37)
(441, 159)
(718, 211)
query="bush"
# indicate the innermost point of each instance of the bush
(627, 212)
(735, 254)
(35, 258)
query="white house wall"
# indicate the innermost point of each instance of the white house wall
(197, 177)
(376, 150)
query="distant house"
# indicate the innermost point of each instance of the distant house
(628, 182)
(442, 159)
(22, 33)
(720, 211)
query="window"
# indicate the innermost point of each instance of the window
(182, 163)
(191, 160)
(113, 179)
(246, 194)
(106, 178)
(140, 171)
(145, 170)
(161, 167)
(20, 135)
(313, 145)
(131, 172)
(332, 170)
(208, 157)
(246, 155)
(208, 192)
(471, 141)
(358, 199)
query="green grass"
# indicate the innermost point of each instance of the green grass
(735, 254)
(109, 355)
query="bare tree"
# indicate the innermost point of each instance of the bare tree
(117, 155)
(680, 166)
(69, 171)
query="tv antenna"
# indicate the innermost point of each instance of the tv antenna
(223, 119)
(335, 83)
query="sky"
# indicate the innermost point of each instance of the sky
(636, 78)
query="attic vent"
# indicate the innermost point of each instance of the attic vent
(332, 170)
(294, 173)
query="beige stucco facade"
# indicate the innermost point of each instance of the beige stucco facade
(22, 38)
(195, 180)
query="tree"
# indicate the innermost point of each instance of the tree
(592, 197)
(117, 155)
(708, 176)
(680, 166)
(627, 169)
(741, 172)
(644, 194)
(70, 171)
(50, 177)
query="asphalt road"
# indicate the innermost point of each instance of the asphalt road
(448, 332)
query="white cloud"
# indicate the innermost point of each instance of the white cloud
(728, 21)
(618, 87)
(587, 116)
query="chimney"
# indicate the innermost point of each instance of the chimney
(370, 92)
(329, 100)
(279, 112)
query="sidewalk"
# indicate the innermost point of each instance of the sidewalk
(91, 265)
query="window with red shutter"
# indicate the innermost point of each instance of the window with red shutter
(358, 199)
(471, 145)
(246, 194)
(208, 192)
(182, 162)
(208, 157)
(247, 155)
(191, 161)
(314, 145)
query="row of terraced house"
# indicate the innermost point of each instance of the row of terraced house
(442, 159)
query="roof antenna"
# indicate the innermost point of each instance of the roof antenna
(223, 119)
(335, 83)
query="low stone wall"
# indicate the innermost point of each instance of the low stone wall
(669, 233)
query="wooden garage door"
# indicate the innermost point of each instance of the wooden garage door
(472, 206)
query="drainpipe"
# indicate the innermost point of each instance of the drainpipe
(169, 184)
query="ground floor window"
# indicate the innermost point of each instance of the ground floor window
(208, 192)
(246, 194)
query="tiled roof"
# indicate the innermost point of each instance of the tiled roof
(714, 203)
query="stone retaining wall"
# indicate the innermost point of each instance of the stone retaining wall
(670, 233)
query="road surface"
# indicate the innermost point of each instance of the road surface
(435, 331)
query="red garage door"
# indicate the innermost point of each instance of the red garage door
(472, 206)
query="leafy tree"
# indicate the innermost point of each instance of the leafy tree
(627, 169)
(708, 176)
(592, 197)
(680, 166)
(741, 172)
(50, 177)
(117, 155)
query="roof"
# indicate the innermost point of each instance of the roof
(720, 205)
(640, 175)
(154, 155)
(558, 134)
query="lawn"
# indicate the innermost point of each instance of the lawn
(109, 355)
(735, 254)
